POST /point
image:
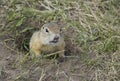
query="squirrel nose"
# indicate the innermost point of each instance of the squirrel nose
(56, 37)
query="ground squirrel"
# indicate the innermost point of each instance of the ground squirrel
(48, 39)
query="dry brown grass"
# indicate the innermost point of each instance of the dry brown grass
(92, 35)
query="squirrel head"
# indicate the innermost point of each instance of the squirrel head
(51, 33)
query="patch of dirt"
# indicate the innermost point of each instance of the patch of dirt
(7, 58)
(71, 69)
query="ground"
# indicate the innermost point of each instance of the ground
(91, 29)
(38, 71)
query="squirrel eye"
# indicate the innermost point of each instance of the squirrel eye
(47, 30)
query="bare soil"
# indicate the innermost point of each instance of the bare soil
(7, 57)
(11, 68)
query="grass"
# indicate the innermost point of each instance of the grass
(92, 28)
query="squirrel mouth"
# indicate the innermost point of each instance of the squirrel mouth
(54, 41)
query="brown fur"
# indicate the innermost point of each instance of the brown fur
(38, 48)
